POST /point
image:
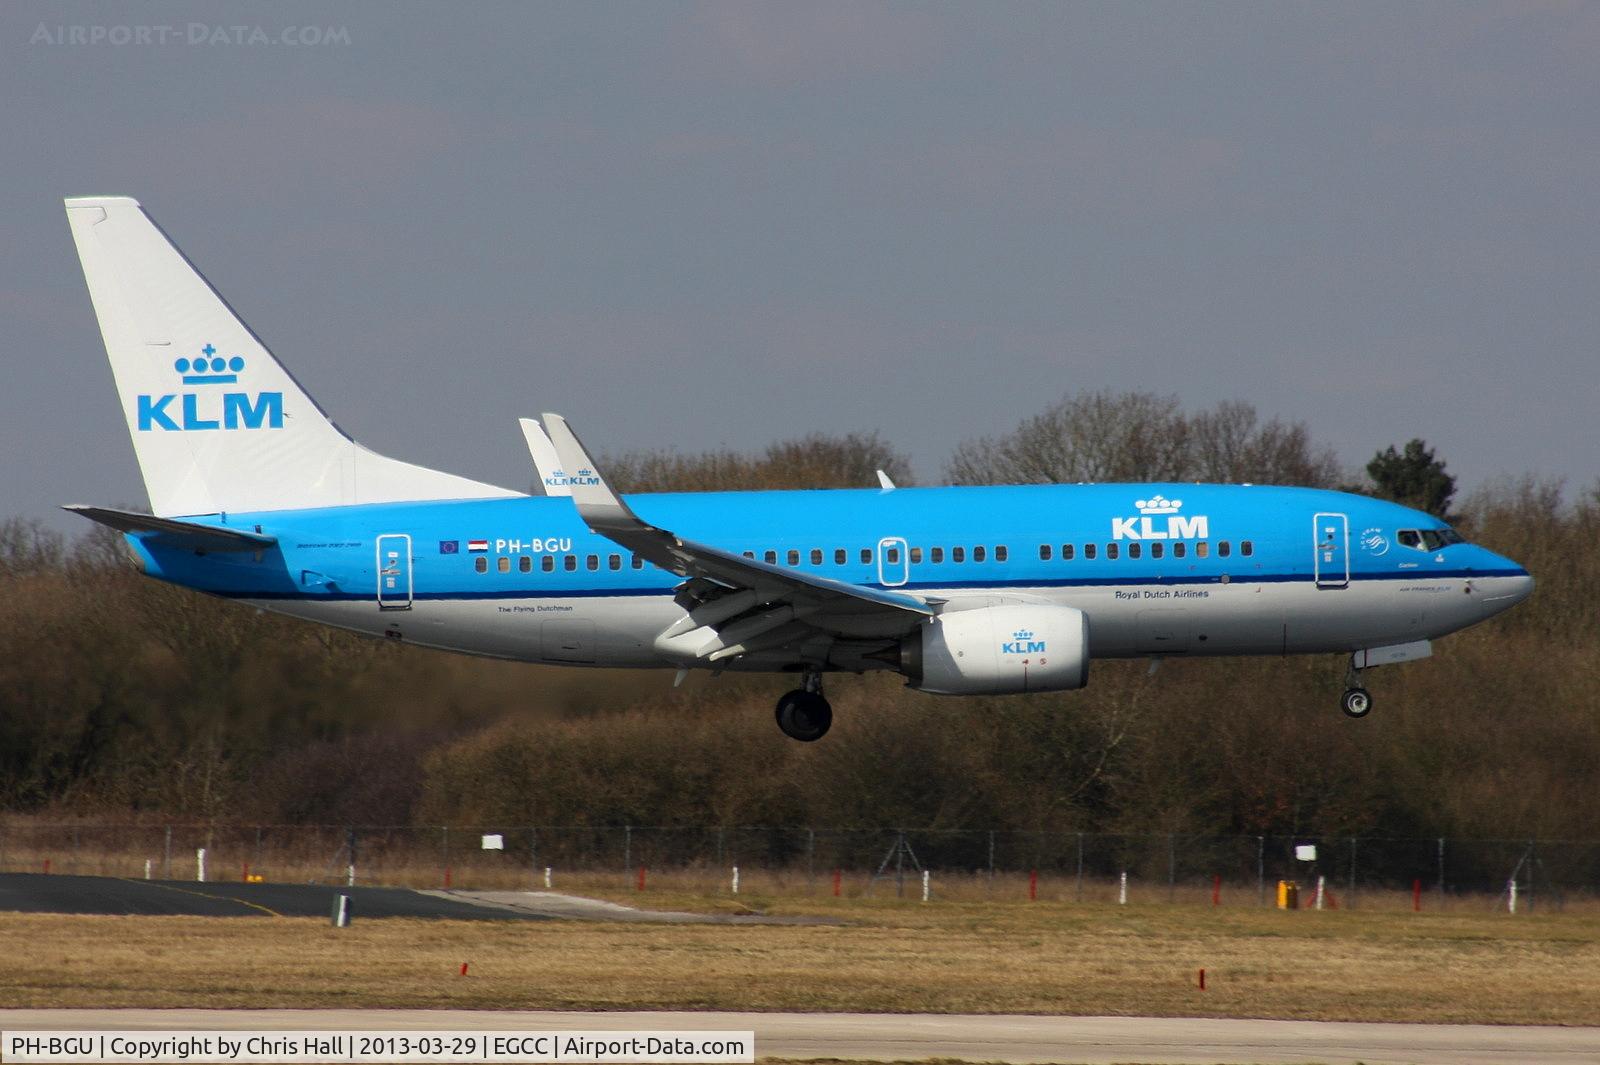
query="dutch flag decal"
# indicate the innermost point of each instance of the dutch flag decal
(477, 545)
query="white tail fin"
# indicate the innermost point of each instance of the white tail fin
(218, 424)
(545, 462)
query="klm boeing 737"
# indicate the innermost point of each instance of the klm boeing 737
(256, 496)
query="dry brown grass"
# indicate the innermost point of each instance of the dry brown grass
(893, 956)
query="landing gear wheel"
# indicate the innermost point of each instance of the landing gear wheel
(1357, 702)
(804, 716)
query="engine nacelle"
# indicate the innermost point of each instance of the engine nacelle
(999, 650)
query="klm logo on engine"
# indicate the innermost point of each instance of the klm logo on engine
(1022, 643)
(1159, 519)
(191, 411)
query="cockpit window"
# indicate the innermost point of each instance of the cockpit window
(1428, 539)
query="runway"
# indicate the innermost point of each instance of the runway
(114, 896)
(917, 1037)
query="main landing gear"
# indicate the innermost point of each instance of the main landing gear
(1356, 701)
(804, 714)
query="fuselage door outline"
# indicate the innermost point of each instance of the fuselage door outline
(394, 571)
(894, 561)
(1331, 550)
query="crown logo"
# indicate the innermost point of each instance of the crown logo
(209, 368)
(1022, 634)
(1158, 504)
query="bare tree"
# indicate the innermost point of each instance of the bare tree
(815, 461)
(1141, 436)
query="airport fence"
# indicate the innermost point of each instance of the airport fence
(1367, 871)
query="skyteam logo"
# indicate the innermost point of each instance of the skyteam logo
(1374, 542)
(1022, 643)
(191, 411)
(1159, 519)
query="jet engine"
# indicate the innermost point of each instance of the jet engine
(999, 650)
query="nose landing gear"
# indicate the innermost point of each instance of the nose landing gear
(804, 714)
(1357, 701)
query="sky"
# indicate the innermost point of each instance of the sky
(703, 225)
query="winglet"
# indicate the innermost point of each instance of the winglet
(885, 482)
(546, 463)
(597, 504)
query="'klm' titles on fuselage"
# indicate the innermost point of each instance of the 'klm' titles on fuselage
(1177, 527)
(239, 410)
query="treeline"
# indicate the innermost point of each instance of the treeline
(123, 697)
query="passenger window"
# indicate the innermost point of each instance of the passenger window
(638, 563)
(1201, 549)
(750, 555)
(1179, 550)
(615, 561)
(547, 563)
(958, 554)
(1044, 552)
(793, 556)
(570, 562)
(1111, 550)
(866, 556)
(1157, 550)
(1088, 550)
(1246, 548)
(503, 564)
(1133, 550)
(916, 555)
(891, 555)
(1001, 553)
(978, 554)
(594, 562)
(839, 556)
(1066, 552)
(936, 554)
(525, 564)
(481, 564)
(816, 556)
(1224, 549)
(771, 558)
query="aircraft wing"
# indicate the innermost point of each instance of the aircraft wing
(175, 532)
(782, 606)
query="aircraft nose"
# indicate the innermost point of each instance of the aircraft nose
(1503, 593)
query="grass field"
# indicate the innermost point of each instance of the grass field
(889, 956)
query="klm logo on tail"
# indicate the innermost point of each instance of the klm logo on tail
(190, 411)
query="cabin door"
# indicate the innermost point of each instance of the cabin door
(394, 571)
(1332, 550)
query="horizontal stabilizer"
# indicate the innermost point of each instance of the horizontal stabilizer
(171, 532)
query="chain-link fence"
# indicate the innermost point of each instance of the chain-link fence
(1370, 872)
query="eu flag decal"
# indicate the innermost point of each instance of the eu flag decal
(449, 547)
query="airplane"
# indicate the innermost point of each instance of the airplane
(258, 497)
